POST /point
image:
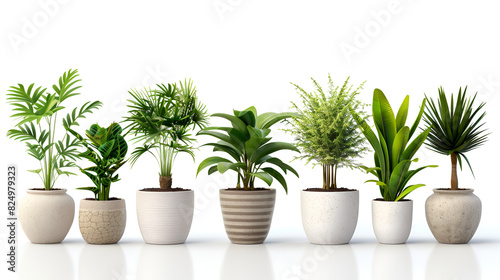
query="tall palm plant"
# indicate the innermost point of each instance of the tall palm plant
(162, 119)
(37, 110)
(455, 128)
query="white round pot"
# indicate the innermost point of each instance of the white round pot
(165, 217)
(247, 215)
(392, 220)
(102, 222)
(453, 215)
(329, 217)
(46, 216)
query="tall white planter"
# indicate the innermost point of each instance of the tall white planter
(329, 217)
(46, 216)
(165, 217)
(453, 215)
(392, 220)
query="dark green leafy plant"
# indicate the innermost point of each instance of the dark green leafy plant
(455, 128)
(246, 142)
(325, 131)
(393, 155)
(163, 120)
(106, 148)
(37, 111)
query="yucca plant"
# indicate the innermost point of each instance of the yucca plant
(393, 155)
(455, 128)
(249, 148)
(37, 111)
(325, 131)
(162, 119)
(106, 148)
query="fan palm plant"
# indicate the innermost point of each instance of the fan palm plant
(37, 111)
(455, 128)
(162, 119)
(325, 131)
(246, 142)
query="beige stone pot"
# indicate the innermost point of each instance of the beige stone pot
(165, 217)
(46, 216)
(247, 214)
(102, 222)
(453, 215)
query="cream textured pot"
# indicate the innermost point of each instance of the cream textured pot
(46, 216)
(165, 217)
(102, 222)
(392, 220)
(329, 217)
(247, 214)
(453, 215)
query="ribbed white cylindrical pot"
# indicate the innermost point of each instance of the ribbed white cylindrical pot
(46, 216)
(392, 220)
(102, 222)
(453, 215)
(329, 217)
(247, 214)
(165, 217)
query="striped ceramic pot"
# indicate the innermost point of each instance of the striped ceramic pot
(247, 214)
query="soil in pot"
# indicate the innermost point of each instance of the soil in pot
(329, 190)
(164, 190)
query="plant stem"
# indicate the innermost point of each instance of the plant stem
(324, 176)
(335, 177)
(454, 177)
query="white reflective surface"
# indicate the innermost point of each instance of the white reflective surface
(288, 259)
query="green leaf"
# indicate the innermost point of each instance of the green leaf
(235, 122)
(384, 117)
(417, 120)
(95, 190)
(248, 116)
(264, 177)
(407, 191)
(270, 148)
(278, 162)
(410, 151)
(224, 147)
(210, 161)
(224, 166)
(402, 114)
(399, 144)
(397, 178)
(252, 145)
(266, 120)
(277, 176)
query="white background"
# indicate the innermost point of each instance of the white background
(242, 53)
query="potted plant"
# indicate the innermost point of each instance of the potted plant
(163, 119)
(392, 214)
(247, 210)
(46, 214)
(102, 219)
(326, 133)
(453, 214)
